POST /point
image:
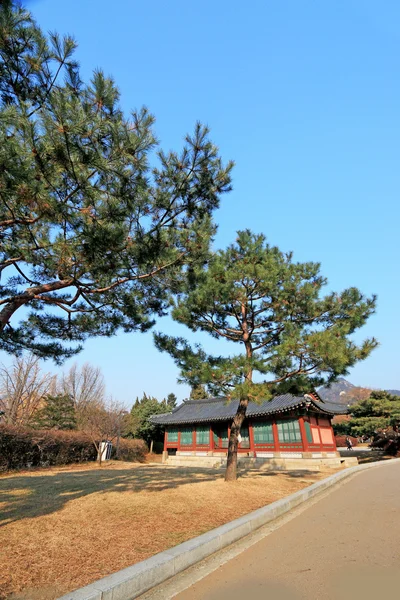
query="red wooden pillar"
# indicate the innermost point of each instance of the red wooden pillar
(165, 440)
(179, 439)
(276, 437)
(251, 438)
(333, 435)
(211, 439)
(319, 432)
(193, 436)
(303, 434)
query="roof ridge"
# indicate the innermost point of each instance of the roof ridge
(204, 400)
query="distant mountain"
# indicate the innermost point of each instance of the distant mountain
(344, 392)
(337, 392)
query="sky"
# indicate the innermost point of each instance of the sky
(304, 96)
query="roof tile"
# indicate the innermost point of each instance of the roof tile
(219, 409)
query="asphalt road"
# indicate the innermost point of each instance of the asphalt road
(345, 546)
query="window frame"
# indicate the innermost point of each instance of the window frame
(186, 430)
(290, 430)
(205, 430)
(174, 430)
(257, 430)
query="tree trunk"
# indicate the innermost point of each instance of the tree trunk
(231, 465)
(151, 447)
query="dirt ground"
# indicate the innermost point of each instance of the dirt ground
(63, 528)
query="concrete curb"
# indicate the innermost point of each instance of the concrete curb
(133, 581)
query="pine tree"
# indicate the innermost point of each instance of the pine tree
(140, 426)
(58, 413)
(171, 401)
(93, 237)
(290, 338)
(380, 411)
(198, 392)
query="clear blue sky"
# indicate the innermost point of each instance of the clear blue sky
(305, 97)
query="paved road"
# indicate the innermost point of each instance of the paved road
(346, 546)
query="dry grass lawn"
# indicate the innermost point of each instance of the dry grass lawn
(64, 528)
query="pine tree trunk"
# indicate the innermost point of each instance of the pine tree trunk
(231, 464)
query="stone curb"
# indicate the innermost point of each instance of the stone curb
(133, 581)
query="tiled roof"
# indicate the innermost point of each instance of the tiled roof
(218, 409)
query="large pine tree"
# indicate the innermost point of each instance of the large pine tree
(93, 238)
(287, 337)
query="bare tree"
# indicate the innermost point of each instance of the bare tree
(23, 386)
(85, 385)
(103, 423)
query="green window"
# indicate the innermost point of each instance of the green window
(308, 432)
(224, 438)
(173, 434)
(263, 433)
(203, 435)
(244, 433)
(289, 431)
(221, 437)
(186, 436)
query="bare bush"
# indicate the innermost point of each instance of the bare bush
(23, 387)
(85, 385)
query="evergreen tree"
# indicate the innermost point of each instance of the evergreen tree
(198, 392)
(93, 237)
(171, 401)
(140, 426)
(58, 413)
(290, 338)
(380, 411)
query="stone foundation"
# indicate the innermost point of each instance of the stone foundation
(269, 461)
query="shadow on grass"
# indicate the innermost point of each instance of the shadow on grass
(26, 497)
(36, 495)
(297, 473)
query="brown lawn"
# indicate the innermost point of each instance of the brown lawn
(64, 528)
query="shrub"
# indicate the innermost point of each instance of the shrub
(131, 450)
(22, 448)
(341, 440)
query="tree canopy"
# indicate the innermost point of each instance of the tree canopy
(198, 392)
(170, 401)
(287, 336)
(96, 223)
(140, 426)
(380, 411)
(58, 412)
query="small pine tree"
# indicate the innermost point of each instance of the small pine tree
(140, 426)
(198, 392)
(58, 413)
(170, 401)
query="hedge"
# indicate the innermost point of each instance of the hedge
(341, 440)
(130, 450)
(25, 448)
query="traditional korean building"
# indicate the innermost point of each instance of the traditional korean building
(286, 432)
